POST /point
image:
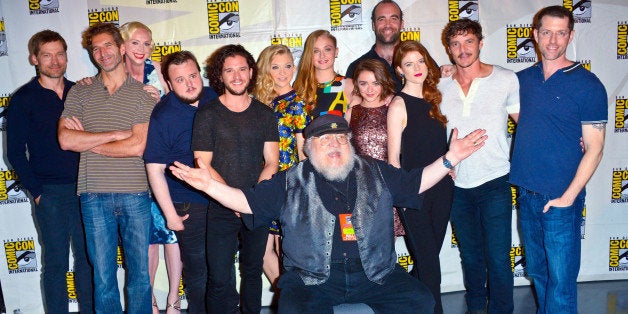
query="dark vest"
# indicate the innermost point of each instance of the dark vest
(308, 227)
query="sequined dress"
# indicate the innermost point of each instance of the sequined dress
(370, 138)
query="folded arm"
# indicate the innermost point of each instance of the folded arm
(72, 136)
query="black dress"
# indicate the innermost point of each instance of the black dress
(424, 140)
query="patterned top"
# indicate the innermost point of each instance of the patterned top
(100, 112)
(368, 126)
(291, 119)
(151, 77)
(330, 97)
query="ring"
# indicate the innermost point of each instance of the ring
(475, 143)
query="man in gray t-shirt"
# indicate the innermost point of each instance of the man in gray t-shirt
(107, 122)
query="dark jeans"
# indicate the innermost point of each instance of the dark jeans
(425, 232)
(482, 220)
(192, 245)
(552, 248)
(59, 219)
(347, 283)
(223, 229)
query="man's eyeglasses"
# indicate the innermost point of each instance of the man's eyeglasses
(326, 139)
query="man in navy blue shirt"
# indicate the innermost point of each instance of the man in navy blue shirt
(50, 173)
(561, 103)
(169, 139)
(335, 210)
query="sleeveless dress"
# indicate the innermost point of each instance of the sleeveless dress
(424, 140)
(370, 138)
(160, 234)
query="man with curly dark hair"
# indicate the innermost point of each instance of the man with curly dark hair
(236, 138)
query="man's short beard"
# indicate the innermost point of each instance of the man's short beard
(190, 101)
(382, 40)
(236, 93)
(335, 173)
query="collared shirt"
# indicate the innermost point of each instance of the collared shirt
(547, 148)
(100, 111)
(32, 119)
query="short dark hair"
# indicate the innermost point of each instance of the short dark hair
(97, 29)
(554, 11)
(176, 58)
(461, 27)
(373, 17)
(44, 37)
(215, 62)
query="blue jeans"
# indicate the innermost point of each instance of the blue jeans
(103, 215)
(482, 220)
(552, 250)
(223, 229)
(192, 245)
(58, 217)
(347, 283)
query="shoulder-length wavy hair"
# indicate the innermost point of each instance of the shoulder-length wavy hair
(381, 75)
(305, 84)
(265, 86)
(215, 62)
(430, 90)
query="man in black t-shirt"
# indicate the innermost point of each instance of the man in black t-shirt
(236, 138)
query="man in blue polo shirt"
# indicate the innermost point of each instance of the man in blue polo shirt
(560, 103)
(169, 139)
(50, 173)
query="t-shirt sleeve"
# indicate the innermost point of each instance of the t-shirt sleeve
(512, 99)
(202, 131)
(403, 185)
(72, 107)
(156, 142)
(266, 199)
(271, 132)
(145, 108)
(593, 106)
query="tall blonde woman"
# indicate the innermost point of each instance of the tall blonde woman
(323, 90)
(275, 67)
(139, 45)
(416, 137)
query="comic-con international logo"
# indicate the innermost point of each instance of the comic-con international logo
(622, 40)
(619, 186)
(120, 257)
(71, 286)
(223, 18)
(3, 40)
(519, 44)
(511, 128)
(149, 2)
(581, 10)
(454, 238)
(11, 191)
(294, 42)
(620, 114)
(463, 10)
(162, 50)
(618, 254)
(345, 14)
(4, 104)
(517, 261)
(43, 6)
(104, 15)
(20, 255)
(405, 260)
(584, 220)
(513, 196)
(585, 64)
(410, 34)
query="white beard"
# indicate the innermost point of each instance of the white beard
(335, 173)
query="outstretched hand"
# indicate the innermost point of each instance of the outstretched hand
(461, 148)
(199, 178)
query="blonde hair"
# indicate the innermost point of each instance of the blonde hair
(306, 84)
(265, 86)
(127, 30)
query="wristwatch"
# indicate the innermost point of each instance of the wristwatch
(447, 163)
